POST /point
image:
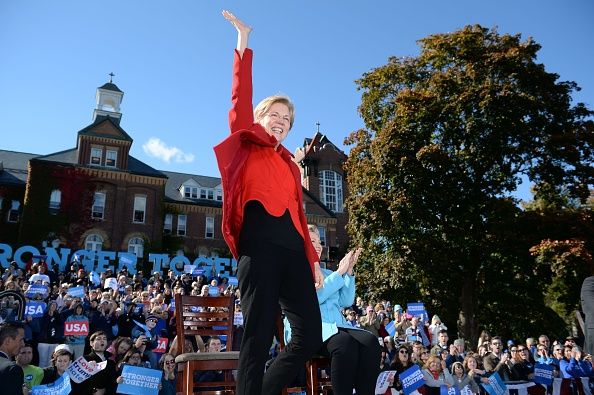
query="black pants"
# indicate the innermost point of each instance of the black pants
(270, 274)
(354, 361)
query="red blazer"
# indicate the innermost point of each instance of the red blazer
(234, 152)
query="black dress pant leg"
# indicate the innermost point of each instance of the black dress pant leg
(299, 302)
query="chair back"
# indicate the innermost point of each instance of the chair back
(12, 306)
(204, 316)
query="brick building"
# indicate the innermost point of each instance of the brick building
(97, 196)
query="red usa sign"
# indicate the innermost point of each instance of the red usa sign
(76, 328)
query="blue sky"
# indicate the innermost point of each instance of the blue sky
(173, 61)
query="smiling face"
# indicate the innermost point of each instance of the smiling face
(317, 243)
(277, 121)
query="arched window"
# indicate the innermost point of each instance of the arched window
(136, 246)
(331, 190)
(94, 242)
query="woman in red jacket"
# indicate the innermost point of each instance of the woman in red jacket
(266, 230)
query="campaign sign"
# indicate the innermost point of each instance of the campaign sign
(162, 344)
(391, 328)
(36, 289)
(35, 309)
(233, 281)
(417, 310)
(543, 374)
(238, 318)
(496, 386)
(213, 291)
(76, 292)
(172, 305)
(466, 390)
(411, 379)
(189, 268)
(61, 386)
(140, 381)
(445, 390)
(384, 380)
(76, 328)
(81, 370)
(111, 282)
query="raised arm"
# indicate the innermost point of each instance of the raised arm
(243, 31)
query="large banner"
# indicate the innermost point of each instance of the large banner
(100, 261)
(61, 386)
(140, 381)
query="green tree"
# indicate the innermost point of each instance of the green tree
(449, 136)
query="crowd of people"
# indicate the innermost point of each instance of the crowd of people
(129, 322)
(118, 317)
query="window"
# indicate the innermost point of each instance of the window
(209, 234)
(13, 213)
(54, 203)
(331, 190)
(203, 194)
(93, 242)
(168, 224)
(111, 158)
(98, 210)
(210, 194)
(96, 154)
(139, 209)
(181, 224)
(322, 231)
(219, 195)
(136, 246)
(190, 192)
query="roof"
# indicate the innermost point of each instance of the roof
(319, 202)
(175, 181)
(14, 167)
(110, 86)
(93, 129)
(70, 157)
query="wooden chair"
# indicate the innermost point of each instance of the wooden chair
(205, 316)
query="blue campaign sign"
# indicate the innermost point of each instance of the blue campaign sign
(213, 291)
(417, 309)
(445, 390)
(140, 381)
(543, 374)
(76, 292)
(391, 328)
(59, 387)
(233, 281)
(36, 289)
(496, 386)
(411, 379)
(35, 309)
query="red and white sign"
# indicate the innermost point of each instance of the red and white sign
(81, 369)
(76, 328)
(162, 344)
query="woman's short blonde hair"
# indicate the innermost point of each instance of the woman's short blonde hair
(313, 229)
(262, 108)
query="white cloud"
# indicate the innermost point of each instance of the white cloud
(158, 149)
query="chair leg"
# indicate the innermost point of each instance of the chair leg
(189, 390)
(312, 378)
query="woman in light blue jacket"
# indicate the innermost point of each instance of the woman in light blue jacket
(354, 353)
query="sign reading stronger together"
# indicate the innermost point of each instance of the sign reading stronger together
(100, 261)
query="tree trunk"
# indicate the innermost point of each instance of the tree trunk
(467, 327)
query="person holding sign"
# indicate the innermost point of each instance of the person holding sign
(61, 359)
(265, 228)
(435, 376)
(354, 353)
(76, 330)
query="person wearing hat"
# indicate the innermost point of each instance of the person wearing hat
(149, 338)
(370, 321)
